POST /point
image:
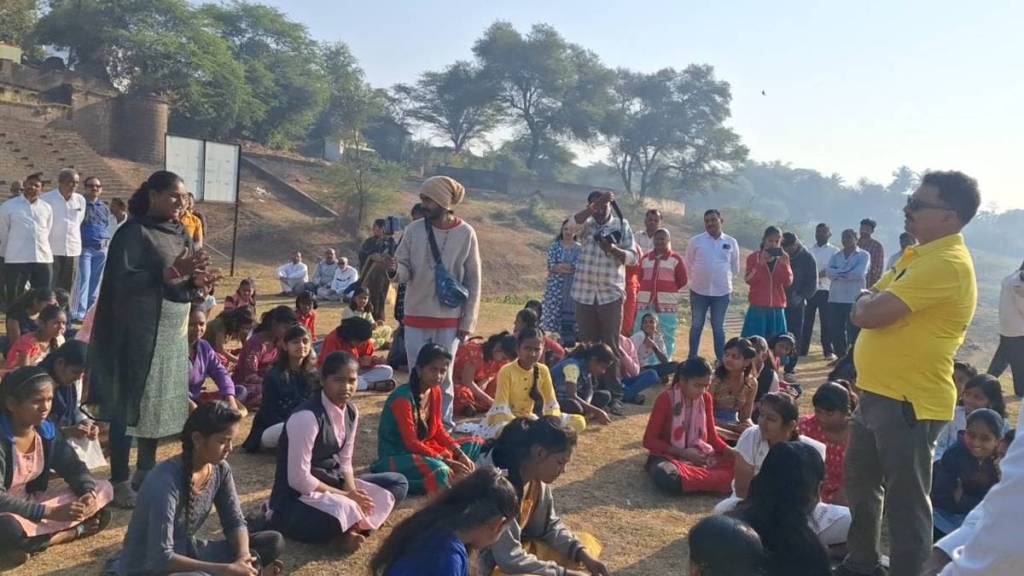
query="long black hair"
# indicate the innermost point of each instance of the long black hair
(587, 351)
(355, 330)
(72, 353)
(159, 181)
(987, 383)
(783, 405)
(21, 383)
(28, 299)
(49, 313)
(359, 291)
(207, 419)
(511, 449)
(283, 363)
(235, 318)
(279, 315)
(503, 341)
(428, 353)
(722, 545)
(533, 333)
(471, 502)
(745, 348)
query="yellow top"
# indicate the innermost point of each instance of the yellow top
(193, 226)
(512, 398)
(912, 359)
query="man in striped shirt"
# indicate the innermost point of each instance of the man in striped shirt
(662, 278)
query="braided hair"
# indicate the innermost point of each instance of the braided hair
(206, 420)
(428, 353)
(511, 449)
(533, 333)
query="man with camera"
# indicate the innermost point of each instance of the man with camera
(599, 286)
(372, 270)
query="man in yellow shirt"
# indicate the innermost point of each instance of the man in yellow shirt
(913, 321)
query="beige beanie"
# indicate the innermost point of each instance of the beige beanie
(447, 192)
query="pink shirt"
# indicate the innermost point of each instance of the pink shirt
(302, 431)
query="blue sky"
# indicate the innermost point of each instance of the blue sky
(856, 88)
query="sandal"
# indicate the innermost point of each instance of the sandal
(94, 525)
(384, 386)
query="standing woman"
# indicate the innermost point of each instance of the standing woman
(559, 307)
(138, 357)
(768, 274)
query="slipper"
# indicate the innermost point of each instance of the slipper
(383, 386)
(94, 525)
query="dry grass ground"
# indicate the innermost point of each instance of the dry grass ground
(604, 490)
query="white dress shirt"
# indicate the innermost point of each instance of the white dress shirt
(66, 232)
(25, 228)
(645, 242)
(822, 254)
(293, 271)
(1011, 306)
(711, 264)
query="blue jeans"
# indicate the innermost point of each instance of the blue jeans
(699, 305)
(636, 384)
(87, 287)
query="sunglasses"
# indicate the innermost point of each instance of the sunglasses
(915, 205)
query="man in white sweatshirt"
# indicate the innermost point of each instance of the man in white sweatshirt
(427, 319)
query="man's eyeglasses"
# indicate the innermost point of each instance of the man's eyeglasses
(915, 205)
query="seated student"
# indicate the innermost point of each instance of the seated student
(436, 540)
(288, 383)
(260, 352)
(23, 313)
(411, 438)
(525, 388)
(686, 453)
(359, 306)
(980, 391)
(176, 499)
(475, 372)
(650, 346)
(535, 452)
(783, 508)
(305, 311)
(553, 351)
(725, 546)
(733, 388)
(967, 470)
(245, 295)
(575, 381)
(763, 369)
(316, 496)
(65, 366)
(32, 347)
(33, 514)
(776, 423)
(634, 379)
(783, 350)
(834, 404)
(204, 363)
(354, 336)
(237, 324)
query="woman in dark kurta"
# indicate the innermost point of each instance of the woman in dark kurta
(138, 357)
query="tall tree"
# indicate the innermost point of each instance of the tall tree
(17, 17)
(667, 128)
(458, 103)
(549, 87)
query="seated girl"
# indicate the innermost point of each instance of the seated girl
(474, 375)
(23, 314)
(650, 346)
(575, 380)
(32, 347)
(784, 352)
(65, 366)
(33, 514)
(244, 296)
(830, 424)
(235, 324)
(733, 388)
(260, 352)
(967, 470)
(355, 336)
(305, 311)
(776, 423)
(634, 378)
(535, 452)
(783, 508)
(437, 538)
(686, 453)
(176, 499)
(525, 388)
(359, 306)
(288, 384)
(204, 363)
(553, 351)
(980, 391)
(411, 438)
(316, 496)
(763, 369)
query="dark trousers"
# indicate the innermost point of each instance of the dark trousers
(64, 272)
(1010, 354)
(600, 399)
(36, 274)
(121, 450)
(795, 325)
(603, 323)
(818, 304)
(844, 333)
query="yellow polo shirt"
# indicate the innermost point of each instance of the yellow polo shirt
(912, 359)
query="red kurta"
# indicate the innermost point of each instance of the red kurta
(657, 439)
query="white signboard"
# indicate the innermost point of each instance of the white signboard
(209, 169)
(185, 158)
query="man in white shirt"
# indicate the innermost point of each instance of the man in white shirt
(712, 259)
(344, 277)
(823, 251)
(645, 238)
(1011, 331)
(906, 241)
(65, 235)
(293, 276)
(25, 224)
(324, 272)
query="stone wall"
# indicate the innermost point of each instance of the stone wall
(139, 127)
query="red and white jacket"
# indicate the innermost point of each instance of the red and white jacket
(768, 287)
(661, 281)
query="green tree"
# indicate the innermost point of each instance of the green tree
(458, 103)
(549, 87)
(17, 18)
(364, 182)
(667, 128)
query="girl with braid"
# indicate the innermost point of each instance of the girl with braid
(411, 438)
(176, 499)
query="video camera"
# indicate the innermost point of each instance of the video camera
(613, 237)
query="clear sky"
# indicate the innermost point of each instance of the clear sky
(857, 88)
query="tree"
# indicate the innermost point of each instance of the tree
(17, 18)
(365, 182)
(669, 126)
(551, 88)
(352, 104)
(458, 103)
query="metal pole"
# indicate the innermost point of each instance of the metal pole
(238, 200)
